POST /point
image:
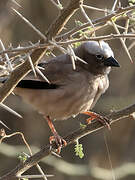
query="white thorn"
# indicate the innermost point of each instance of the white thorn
(10, 110)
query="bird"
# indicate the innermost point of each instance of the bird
(69, 91)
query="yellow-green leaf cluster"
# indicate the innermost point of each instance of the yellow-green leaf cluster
(79, 150)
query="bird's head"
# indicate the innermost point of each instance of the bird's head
(98, 56)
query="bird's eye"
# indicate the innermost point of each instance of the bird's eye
(99, 56)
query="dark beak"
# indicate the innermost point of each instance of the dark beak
(111, 62)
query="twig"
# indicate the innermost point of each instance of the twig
(131, 45)
(30, 24)
(14, 134)
(122, 42)
(106, 37)
(87, 18)
(22, 49)
(10, 110)
(58, 46)
(120, 27)
(41, 74)
(78, 58)
(6, 56)
(115, 4)
(44, 176)
(38, 167)
(16, 3)
(32, 65)
(126, 28)
(58, 6)
(94, 8)
(34, 176)
(1, 122)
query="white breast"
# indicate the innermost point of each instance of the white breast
(102, 85)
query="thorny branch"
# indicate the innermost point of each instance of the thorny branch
(99, 21)
(71, 169)
(71, 138)
(4, 136)
(22, 50)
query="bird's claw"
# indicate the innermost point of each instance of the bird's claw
(104, 120)
(59, 142)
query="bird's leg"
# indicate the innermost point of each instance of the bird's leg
(59, 140)
(93, 115)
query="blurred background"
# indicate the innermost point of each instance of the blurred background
(120, 139)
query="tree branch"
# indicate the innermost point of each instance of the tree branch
(71, 138)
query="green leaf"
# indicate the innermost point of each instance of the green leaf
(48, 53)
(82, 125)
(76, 44)
(90, 28)
(114, 19)
(60, 6)
(78, 23)
(79, 150)
(22, 157)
